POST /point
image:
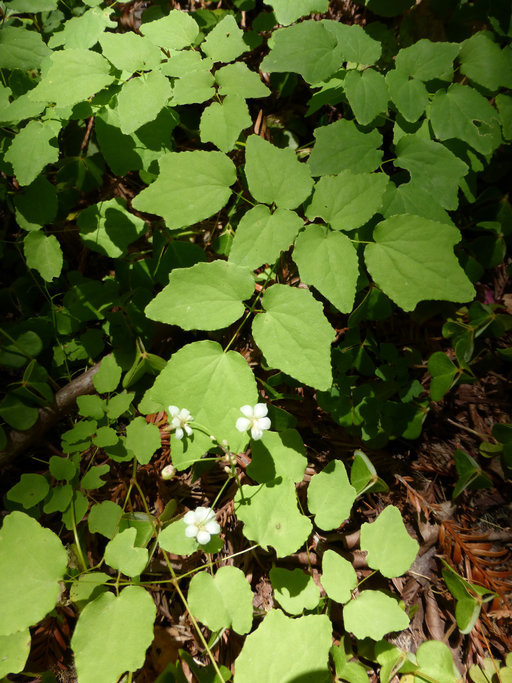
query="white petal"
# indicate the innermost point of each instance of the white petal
(260, 410)
(243, 424)
(247, 411)
(175, 422)
(173, 410)
(264, 423)
(203, 537)
(178, 433)
(188, 429)
(212, 527)
(190, 517)
(202, 514)
(192, 531)
(256, 433)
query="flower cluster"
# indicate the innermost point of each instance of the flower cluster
(255, 418)
(201, 524)
(180, 420)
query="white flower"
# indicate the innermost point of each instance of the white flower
(168, 472)
(180, 420)
(201, 524)
(255, 419)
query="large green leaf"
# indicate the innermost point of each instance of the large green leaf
(331, 496)
(173, 32)
(213, 386)
(436, 662)
(73, 76)
(130, 52)
(32, 564)
(109, 228)
(36, 205)
(43, 253)
(140, 100)
(433, 166)
(21, 49)
(355, 43)
(484, 62)
(295, 336)
(84, 31)
(261, 236)
(15, 649)
(191, 186)
(222, 123)
(412, 260)
(125, 623)
(390, 548)
(461, 112)
(31, 149)
(270, 516)
(238, 79)
(308, 49)
(29, 491)
(225, 42)
(276, 175)
(409, 95)
(348, 200)
(286, 650)
(143, 439)
(193, 78)
(342, 146)
(207, 296)
(122, 554)
(223, 600)
(426, 60)
(288, 11)
(373, 614)
(412, 198)
(366, 93)
(278, 454)
(328, 261)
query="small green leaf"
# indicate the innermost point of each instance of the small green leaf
(21, 49)
(44, 254)
(29, 491)
(288, 11)
(223, 600)
(121, 553)
(62, 468)
(330, 496)
(143, 438)
(141, 99)
(339, 577)
(484, 62)
(84, 31)
(118, 404)
(426, 60)
(92, 478)
(15, 649)
(173, 32)
(342, 146)
(238, 79)
(104, 518)
(412, 260)
(356, 45)
(373, 614)
(274, 645)
(108, 376)
(295, 336)
(207, 296)
(443, 372)
(390, 548)
(36, 205)
(409, 95)
(173, 539)
(278, 454)
(270, 516)
(504, 104)
(59, 499)
(275, 175)
(225, 42)
(366, 93)
(294, 590)
(261, 236)
(190, 187)
(17, 414)
(32, 149)
(412, 198)
(32, 564)
(109, 228)
(222, 123)
(130, 52)
(436, 662)
(88, 587)
(125, 622)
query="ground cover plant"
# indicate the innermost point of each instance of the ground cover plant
(256, 340)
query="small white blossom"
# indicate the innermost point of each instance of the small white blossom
(180, 420)
(201, 524)
(255, 419)
(168, 472)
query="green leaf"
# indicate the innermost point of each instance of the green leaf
(356, 45)
(20, 109)
(288, 11)
(223, 600)
(433, 166)
(435, 661)
(276, 175)
(308, 49)
(173, 539)
(108, 228)
(32, 6)
(261, 236)
(225, 42)
(15, 649)
(29, 491)
(390, 548)
(143, 438)
(23, 347)
(194, 79)
(92, 478)
(130, 52)
(373, 614)
(331, 495)
(409, 95)
(125, 622)
(32, 149)
(191, 186)
(461, 112)
(121, 553)
(62, 468)
(44, 254)
(21, 49)
(295, 336)
(366, 93)
(484, 63)
(207, 296)
(328, 261)
(412, 198)
(270, 516)
(294, 590)
(104, 518)
(341, 146)
(108, 376)
(32, 564)
(274, 646)
(212, 385)
(363, 475)
(238, 79)
(504, 104)
(73, 76)
(141, 99)
(470, 474)
(426, 60)
(117, 405)
(278, 454)
(84, 31)
(348, 200)
(88, 587)
(36, 205)
(17, 414)
(173, 32)
(222, 123)
(339, 577)
(59, 499)
(412, 260)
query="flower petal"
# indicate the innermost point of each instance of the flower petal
(192, 531)
(212, 527)
(203, 537)
(260, 410)
(264, 423)
(187, 429)
(243, 424)
(256, 433)
(173, 410)
(247, 411)
(190, 517)
(179, 433)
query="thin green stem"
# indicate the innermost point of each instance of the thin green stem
(250, 311)
(77, 540)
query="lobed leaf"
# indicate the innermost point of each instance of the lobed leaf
(342, 146)
(390, 548)
(331, 496)
(294, 590)
(373, 614)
